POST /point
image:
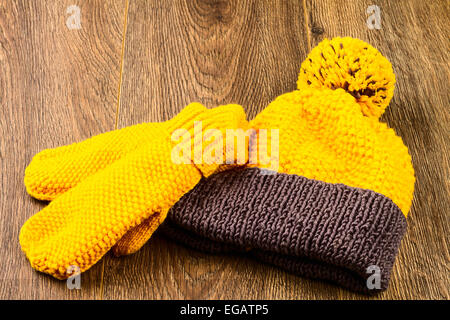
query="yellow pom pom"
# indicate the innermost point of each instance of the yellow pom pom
(356, 67)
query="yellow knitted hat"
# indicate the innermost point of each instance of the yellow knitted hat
(329, 128)
(135, 191)
(334, 206)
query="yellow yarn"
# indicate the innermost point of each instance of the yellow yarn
(82, 224)
(353, 65)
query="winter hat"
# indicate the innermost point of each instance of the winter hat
(129, 194)
(336, 207)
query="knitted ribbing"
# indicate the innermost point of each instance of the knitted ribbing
(315, 229)
(80, 226)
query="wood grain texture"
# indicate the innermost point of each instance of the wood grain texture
(57, 86)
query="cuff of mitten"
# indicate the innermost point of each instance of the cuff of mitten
(333, 232)
(202, 132)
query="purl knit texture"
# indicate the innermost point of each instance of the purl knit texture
(80, 226)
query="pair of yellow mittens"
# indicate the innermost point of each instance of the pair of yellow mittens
(113, 190)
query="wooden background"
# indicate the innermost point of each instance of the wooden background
(135, 61)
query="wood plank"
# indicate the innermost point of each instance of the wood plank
(414, 37)
(214, 52)
(57, 86)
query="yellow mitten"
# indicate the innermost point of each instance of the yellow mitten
(54, 171)
(135, 191)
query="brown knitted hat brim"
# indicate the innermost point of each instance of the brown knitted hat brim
(319, 230)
